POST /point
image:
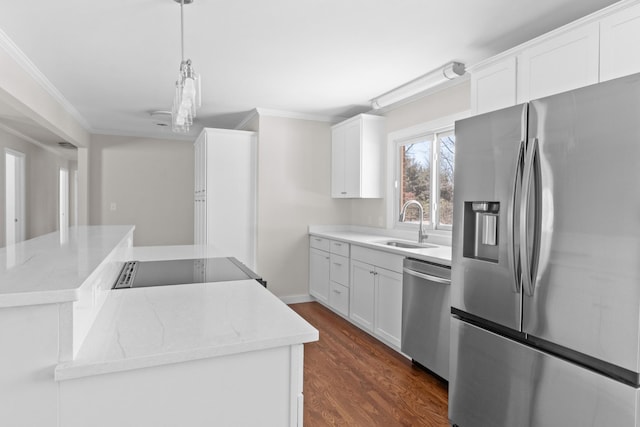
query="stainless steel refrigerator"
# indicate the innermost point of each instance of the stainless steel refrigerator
(545, 294)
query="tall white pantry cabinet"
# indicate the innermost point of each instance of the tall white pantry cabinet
(225, 192)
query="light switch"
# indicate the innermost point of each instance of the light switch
(112, 207)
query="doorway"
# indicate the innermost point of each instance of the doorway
(14, 196)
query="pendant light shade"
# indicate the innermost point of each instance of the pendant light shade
(187, 92)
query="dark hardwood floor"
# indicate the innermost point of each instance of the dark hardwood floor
(351, 379)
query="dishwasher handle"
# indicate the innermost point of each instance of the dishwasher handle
(427, 276)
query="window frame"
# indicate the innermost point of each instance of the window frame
(401, 137)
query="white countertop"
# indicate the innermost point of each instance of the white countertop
(440, 254)
(52, 268)
(145, 327)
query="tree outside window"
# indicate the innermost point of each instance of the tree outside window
(426, 175)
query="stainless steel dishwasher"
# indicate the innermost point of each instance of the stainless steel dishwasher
(426, 312)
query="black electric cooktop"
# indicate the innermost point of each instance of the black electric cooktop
(138, 274)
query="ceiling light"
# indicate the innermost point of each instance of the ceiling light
(432, 79)
(187, 96)
(161, 118)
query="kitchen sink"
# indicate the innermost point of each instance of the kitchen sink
(406, 245)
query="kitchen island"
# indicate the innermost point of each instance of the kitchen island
(228, 353)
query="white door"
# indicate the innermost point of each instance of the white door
(64, 199)
(14, 197)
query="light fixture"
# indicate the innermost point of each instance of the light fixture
(432, 79)
(187, 96)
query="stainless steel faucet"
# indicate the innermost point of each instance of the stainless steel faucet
(422, 235)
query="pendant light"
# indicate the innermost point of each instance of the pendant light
(187, 96)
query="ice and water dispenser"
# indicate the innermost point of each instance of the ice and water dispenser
(481, 237)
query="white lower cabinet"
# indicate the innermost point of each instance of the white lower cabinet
(362, 294)
(376, 294)
(329, 273)
(361, 284)
(319, 274)
(388, 306)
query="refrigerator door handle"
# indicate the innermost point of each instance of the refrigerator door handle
(525, 262)
(514, 262)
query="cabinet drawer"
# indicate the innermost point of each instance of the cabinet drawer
(319, 243)
(378, 258)
(340, 248)
(339, 271)
(339, 298)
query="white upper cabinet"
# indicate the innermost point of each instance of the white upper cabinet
(357, 148)
(493, 86)
(563, 62)
(619, 36)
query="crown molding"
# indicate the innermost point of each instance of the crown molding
(250, 116)
(144, 135)
(588, 19)
(29, 67)
(267, 112)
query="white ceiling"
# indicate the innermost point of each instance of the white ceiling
(116, 61)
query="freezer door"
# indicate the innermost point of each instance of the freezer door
(484, 258)
(496, 382)
(586, 290)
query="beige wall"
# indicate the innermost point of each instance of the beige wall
(294, 190)
(444, 103)
(151, 183)
(41, 186)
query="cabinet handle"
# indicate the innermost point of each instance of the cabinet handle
(337, 291)
(343, 192)
(337, 263)
(338, 244)
(326, 258)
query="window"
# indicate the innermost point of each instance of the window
(425, 165)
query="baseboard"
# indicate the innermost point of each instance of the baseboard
(295, 299)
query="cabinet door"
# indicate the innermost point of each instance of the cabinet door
(564, 62)
(338, 162)
(619, 35)
(319, 274)
(388, 313)
(362, 294)
(353, 166)
(494, 87)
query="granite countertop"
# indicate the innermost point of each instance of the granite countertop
(145, 327)
(53, 267)
(437, 253)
